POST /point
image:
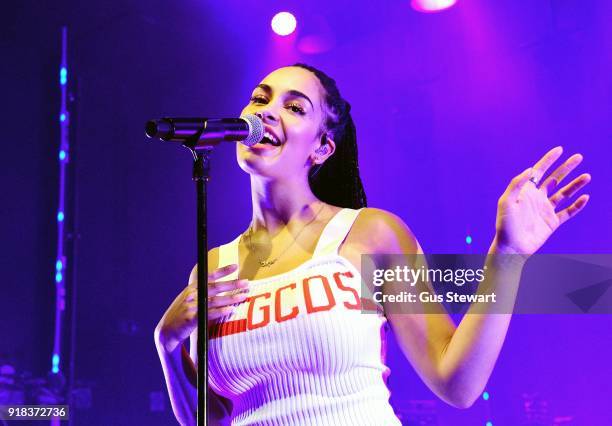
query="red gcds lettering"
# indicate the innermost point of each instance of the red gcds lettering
(277, 305)
(331, 301)
(265, 309)
(348, 274)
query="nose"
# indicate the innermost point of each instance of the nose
(266, 116)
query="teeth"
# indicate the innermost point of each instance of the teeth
(271, 137)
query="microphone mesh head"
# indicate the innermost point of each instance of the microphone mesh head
(256, 129)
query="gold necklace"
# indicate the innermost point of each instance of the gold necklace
(264, 263)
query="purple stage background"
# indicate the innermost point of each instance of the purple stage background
(448, 108)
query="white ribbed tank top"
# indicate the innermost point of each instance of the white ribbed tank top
(306, 347)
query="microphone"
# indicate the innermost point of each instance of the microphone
(206, 132)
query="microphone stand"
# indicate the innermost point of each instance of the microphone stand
(217, 130)
(201, 176)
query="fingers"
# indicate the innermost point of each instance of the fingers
(551, 182)
(215, 275)
(545, 162)
(570, 189)
(222, 305)
(214, 288)
(213, 313)
(218, 306)
(516, 184)
(555, 178)
(222, 272)
(216, 313)
(223, 296)
(230, 299)
(573, 209)
(222, 286)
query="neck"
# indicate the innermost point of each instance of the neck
(275, 202)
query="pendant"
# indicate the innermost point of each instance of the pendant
(266, 263)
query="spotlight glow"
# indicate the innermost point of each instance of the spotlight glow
(60, 217)
(468, 239)
(63, 76)
(62, 117)
(430, 6)
(489, 423)
(283, 23)
(62, 155)
(58, 277)
(55, 363)
(485, 395)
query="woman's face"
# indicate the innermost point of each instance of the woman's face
(290, 103)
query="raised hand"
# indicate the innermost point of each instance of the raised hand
(528, 211)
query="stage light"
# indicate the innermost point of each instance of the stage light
(489, 423)
(485, 395)
(468, 239)
(64, 145)
(429, 6)
(55, 363)
(63, 75)
(284, 23)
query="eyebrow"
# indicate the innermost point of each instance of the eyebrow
(295, 93)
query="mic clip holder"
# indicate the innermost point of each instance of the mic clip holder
(192, 144)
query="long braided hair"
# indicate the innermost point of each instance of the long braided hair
(337, 180)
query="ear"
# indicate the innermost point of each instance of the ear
(324, 150)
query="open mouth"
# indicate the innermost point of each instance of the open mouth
(270, 139)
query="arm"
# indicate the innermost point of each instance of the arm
(456, 362)
(422, 331)
(220, 408)
(180, 374)
(179, 367)
(467, 361)
(527, 215)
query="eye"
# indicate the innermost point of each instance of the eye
(297, 108)
(258, 99)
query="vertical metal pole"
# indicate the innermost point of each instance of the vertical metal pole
(201, 170)
(60, 262)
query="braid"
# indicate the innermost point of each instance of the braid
(337, 180)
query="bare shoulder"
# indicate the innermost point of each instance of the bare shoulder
(380, 231)
(213, 263)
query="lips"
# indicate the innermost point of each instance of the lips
(270, 137)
